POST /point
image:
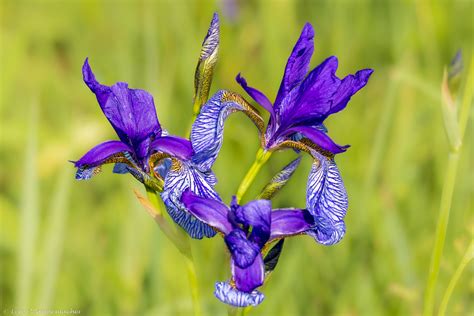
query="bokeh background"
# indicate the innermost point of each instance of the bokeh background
(90, 246)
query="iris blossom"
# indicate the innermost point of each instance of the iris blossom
(303, 102)
(247, 230)
(160, 161)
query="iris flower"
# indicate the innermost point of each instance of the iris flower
(303, 102)
(162, 162)
(247, 230)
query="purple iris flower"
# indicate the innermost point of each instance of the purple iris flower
(303, 102)
(247, 230)
(162, 162)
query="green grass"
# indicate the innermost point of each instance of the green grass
(90, 245)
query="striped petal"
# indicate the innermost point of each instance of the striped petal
(230, 295)
(208, 128)
(181, 176)
(326, 200)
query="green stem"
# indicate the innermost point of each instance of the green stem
(181, 241)
(260, 159)
(441, 227)
(454, 280)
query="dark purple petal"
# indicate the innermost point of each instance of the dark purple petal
(97, 155)
(209, 211)
(326, 231)
(181, 176)
(250, 278)
(258, 215)
(326, 198)
(319, 138)
(297, 65)
(257, 95)
(174, 146)
(243, 251)
(348, 87)
(288, 222)
(130, 111)
(230, 295)
(208, 128)
(313, 98)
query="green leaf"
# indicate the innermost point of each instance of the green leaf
(271, 259)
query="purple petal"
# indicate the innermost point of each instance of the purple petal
(297, 65)
(243, 251)
(258, 215)
(326, 198)
(209, 211)
(313, 98)
(181, 176)
(326, 231)
(257, 95)
(97, 155)
(173, 145)
(230, 295)
(319, 138)
(250, 278)
(208, 128)
(288, 222)
(348, 87)
(130, 111)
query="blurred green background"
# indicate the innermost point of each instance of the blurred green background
(90, 246)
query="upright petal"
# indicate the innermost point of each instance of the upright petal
(243, 251)
(174, 146)
(230, 295)
(258, 215)
(207, 131)
(248, 279)
(181, 176)
(209, 211)
(289, 222)
(348, 87)
(297, 65)
(130, 111)
(89, 164)
(313, 98)
(326, 200)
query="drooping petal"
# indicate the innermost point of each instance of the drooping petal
(243, 251)
(250, 278)
(289, 222)
(208, 128)
(206, 64)
(320, 138)
(297, 65)
(209, 211)
(257, 95)
(327, 231)
(313, 98)
(348, 87)
(230, 295)
(174, 146)
(326, 199)
(130, 111)
(181, 176)
(258, 215)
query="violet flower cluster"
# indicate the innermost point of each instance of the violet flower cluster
(180, 169)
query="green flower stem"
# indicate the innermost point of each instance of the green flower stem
(446, 198)
(441, 227)
(181, 241)
(454, 280)
(261, 158)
